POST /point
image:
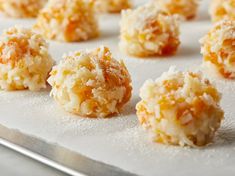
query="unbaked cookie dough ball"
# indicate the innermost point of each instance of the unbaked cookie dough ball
(222, 9)
(67, 20)
(24, 60)
(111, 6)
(185, 8)
(180, 108)
(91, 83)
(148, 31)
(21, 8)
(218, 49)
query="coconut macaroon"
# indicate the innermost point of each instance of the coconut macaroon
(21, 8)
(185, 8)
(91, 83)
(1, 5)
(222, 9)
(148, 31)
(111, 6)
(180, 108)
(24, 60)
(67, 20)
(218, 49)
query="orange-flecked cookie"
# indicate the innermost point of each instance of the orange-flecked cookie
(148, 31)
(111, 6)
(24, 60)
(222, 9)
(218, 49)
(185, 8)
(91, 83)
(180, 108)
(67, 20)
(21, 8)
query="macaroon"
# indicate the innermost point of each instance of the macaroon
(21, 8)
(91, 83)
(67, 21)
(218, 50)
(149, 31)
(25, 61)
(180, 108)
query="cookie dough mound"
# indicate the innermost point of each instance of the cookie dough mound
(180, 108)
(67, 20)
(222, 9)
(148, 31)
(21, 8)
(185, 8)
(24, 60)
(91, 83)
(111, 6)
(218, 49)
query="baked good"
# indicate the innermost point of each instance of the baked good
(111, 6)
(222, 9)
(21, 8)
(218, 49)
(67, 20)
(180, 108)
(24, 60)
(185, 8)
(91, 83)
(148, 31)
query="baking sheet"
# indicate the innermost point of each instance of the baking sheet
(120, 141)
(56, 156)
